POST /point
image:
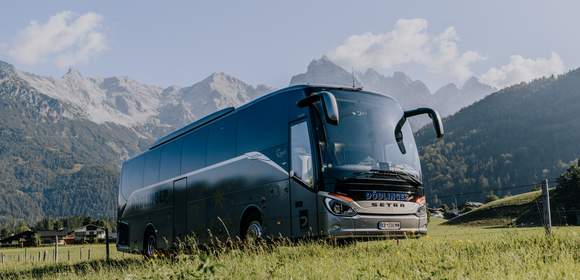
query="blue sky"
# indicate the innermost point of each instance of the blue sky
(181, 42)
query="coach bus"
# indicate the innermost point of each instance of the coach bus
(303, 161)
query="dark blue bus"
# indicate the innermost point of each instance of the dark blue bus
(303, 161)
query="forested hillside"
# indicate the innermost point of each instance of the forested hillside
(47, 158)
(516, 136)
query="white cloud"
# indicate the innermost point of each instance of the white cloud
(521, 69)
(66, 39)
(408, 42)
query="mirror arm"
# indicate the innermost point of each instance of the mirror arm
(433, 115)
(399, 134)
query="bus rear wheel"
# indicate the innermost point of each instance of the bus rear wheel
(149, 245)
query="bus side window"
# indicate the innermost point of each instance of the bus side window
(134, 177)
(193, 151)
(301, 153)
(221, 141)
(170, 160)
(151, 171)
(264, 129)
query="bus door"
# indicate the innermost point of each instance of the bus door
(302, 191)
(180, 209)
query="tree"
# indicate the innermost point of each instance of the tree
(21, 227)
(569, 181)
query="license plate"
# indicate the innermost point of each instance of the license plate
(389, 196)
(390, 225)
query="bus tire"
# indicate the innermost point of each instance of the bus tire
(149, 244)
(252, 229)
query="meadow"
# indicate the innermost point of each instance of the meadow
(448, 252)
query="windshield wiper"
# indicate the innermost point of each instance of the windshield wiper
(401, 175)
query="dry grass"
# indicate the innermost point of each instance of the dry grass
(448, 252)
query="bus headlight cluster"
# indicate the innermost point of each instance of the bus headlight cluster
(339, 208)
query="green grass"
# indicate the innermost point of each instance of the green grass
(448, 252)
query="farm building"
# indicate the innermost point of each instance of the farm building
(49, 236)
(25, 238)
(89, 234)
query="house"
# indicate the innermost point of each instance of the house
(49, 236)
(89, 234)
(25, 238)
(69, 239)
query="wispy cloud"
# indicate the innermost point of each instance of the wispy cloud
(521, 69)
(408, 42)
(65, 39)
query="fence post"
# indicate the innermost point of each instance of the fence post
(547, 214)
(89, 256)
(25, 254)
(107, 242)
(56, 248)
(81, 253)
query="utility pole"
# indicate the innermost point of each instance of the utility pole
(547, 214)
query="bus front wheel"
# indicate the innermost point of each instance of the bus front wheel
(253, 229)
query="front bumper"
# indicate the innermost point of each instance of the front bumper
(367, 226)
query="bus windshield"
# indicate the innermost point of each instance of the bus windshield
(365, 139)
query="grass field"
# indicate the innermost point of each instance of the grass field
(448, 252)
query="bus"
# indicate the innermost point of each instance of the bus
(303, 161)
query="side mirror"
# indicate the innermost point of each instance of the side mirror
(435, 118)
(328, 104)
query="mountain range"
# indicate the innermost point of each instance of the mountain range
(410, 93)
(506, 143)
(62, 140)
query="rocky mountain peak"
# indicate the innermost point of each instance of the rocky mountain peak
(6, 67)
(402, 77)
(473, 83)
(71, 74)
(324, 71)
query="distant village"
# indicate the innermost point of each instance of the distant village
(63, 231)
(86, 234)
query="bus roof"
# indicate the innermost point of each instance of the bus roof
(221, 113)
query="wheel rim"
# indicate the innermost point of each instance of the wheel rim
(150, 245)
(254, 231)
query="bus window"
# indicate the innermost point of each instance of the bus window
(134, 177)
(170, 160)
(151, 171)
(221, 141)
(264, 129)
(193, 155)
(301, 153)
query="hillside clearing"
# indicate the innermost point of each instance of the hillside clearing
(501, 212)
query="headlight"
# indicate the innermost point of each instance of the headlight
(338, 207)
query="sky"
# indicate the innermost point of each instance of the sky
(267, 42)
